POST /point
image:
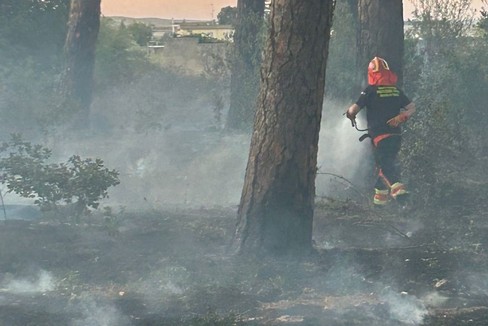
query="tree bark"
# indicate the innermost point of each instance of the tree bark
(380, 33)
(244, 84)
(353, 5)
(276, 210)
(80, 46)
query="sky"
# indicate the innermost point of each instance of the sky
(187, 9)
(178, 9)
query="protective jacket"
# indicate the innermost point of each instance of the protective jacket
(383, 102)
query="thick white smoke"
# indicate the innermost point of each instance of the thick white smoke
(40, 283)
(341, 153)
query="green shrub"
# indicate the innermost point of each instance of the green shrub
(445, 73)
(81, 183)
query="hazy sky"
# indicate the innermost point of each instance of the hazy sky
(179, 9)
(188, 9)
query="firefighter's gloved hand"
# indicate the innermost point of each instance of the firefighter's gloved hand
(398, 120)
(351, 117)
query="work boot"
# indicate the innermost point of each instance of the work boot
(398, 189)
(400, 194)
(380, 197)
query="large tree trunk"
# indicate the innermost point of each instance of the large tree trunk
(276, 209)
(381, 34)
(353, 5)
(80, 45)
(244, 84)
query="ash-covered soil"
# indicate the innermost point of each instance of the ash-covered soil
(171, 267)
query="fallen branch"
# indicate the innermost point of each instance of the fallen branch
(353, 187)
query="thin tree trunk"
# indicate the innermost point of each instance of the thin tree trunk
(244, 85)
(80, 45)
(277, 202)
(381, 34)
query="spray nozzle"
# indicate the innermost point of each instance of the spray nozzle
(353, 121)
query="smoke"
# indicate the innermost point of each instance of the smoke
(97, 312)
(169, 280)
(341, 153)
(183, 166)
(476, 282)
(19, 212)
(349, 292)
(41, 283)
(182, 158)
(208, 172)
(405, 308)
(434, 299)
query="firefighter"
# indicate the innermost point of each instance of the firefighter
(387, 107)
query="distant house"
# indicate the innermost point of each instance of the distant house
(205, 29)
(162, 30)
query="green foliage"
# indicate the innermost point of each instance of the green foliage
(249, 39)
(483, 22)
(439, 23)
(216, 72)
(141, 33)
(227, 16)
(203, 38)
(119, 59)
(26, 172)
(26, 96)
(32, 34)
(34, 27)
(341, 69)
(446, 67)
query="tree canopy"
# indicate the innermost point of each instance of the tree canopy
(227, 16)
(34, 27)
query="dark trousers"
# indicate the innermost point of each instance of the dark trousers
(385, 154)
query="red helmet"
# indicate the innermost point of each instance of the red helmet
(379, 73)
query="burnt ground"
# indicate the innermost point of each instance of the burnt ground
(386, 267)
